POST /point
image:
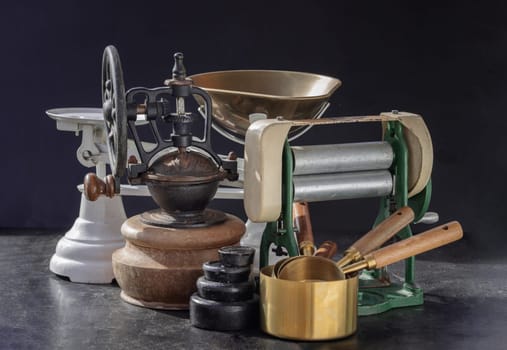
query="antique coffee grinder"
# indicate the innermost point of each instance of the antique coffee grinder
(166, 247)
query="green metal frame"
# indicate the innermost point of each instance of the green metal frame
(378, 291)
(281, 232)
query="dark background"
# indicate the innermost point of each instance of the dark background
(447, 62)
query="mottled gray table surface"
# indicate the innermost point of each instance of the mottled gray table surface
(465, 308)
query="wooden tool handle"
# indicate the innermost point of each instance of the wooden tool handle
(416, 244)
(383, 231)
(327, 249)
(95, 187)
(303, 222)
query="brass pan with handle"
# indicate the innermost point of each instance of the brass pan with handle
(318, 301)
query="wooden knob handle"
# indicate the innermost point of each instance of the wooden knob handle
(303, 221)
(416, 244)
(383, 231)
(94, 187)
(327, 249)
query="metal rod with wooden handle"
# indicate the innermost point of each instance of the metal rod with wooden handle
(303, 221)
(411, 246)
(305, 234)
(378, 235)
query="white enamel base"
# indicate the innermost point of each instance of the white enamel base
(84, 253)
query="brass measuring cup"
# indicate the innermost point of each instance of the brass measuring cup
(311, 309)
(367, 243)
(325, 251)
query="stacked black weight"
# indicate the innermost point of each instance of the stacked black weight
(225, 299)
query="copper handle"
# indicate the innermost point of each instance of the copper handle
(384, 231)
(303, 221)
(94, 186)
(327, 249)
(417, 244)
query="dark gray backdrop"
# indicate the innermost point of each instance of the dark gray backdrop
(445, 62)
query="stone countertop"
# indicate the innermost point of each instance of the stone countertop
(465, 308)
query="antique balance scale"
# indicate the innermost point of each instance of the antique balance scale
(165, 248)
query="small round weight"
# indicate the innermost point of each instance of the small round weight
(236, 255)
(228, 292)
(216, 271)
(222, 316)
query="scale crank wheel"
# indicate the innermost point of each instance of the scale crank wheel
(115, 111)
